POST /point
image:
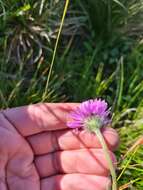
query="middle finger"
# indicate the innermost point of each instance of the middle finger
(47, 142)
(85, 161)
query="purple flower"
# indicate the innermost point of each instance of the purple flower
(90, 114)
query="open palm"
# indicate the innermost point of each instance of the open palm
(38, 152)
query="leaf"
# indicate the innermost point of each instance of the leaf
(22, 10)
(120, 4)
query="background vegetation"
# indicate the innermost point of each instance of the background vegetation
(99, 54)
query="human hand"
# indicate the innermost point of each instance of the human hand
(38, 151)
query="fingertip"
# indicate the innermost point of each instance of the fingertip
(112, 138)
(108, 183)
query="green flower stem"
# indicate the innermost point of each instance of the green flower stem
(106, 152)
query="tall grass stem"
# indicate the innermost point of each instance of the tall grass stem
(55, 50)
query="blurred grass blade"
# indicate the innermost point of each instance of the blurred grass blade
(120, 83)
(120, 91)
(120, 4)
(3, 10)
(127, 185)
(127, 164)
(14, 91)
(41, 7)
(3, 100)
(99, 73)
(105, 84)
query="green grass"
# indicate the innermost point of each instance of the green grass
(109, 17)
(95, 57)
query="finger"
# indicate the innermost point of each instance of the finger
(6, 131)
(46, 142)
(3, 163)
(37, 118)
(76, 182)
(86, 161)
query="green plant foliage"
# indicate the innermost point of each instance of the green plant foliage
(108, 17)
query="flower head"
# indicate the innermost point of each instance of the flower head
(90, 114)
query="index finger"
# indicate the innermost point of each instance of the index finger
(41, 117)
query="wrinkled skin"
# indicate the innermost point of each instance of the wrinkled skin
(38, 151)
